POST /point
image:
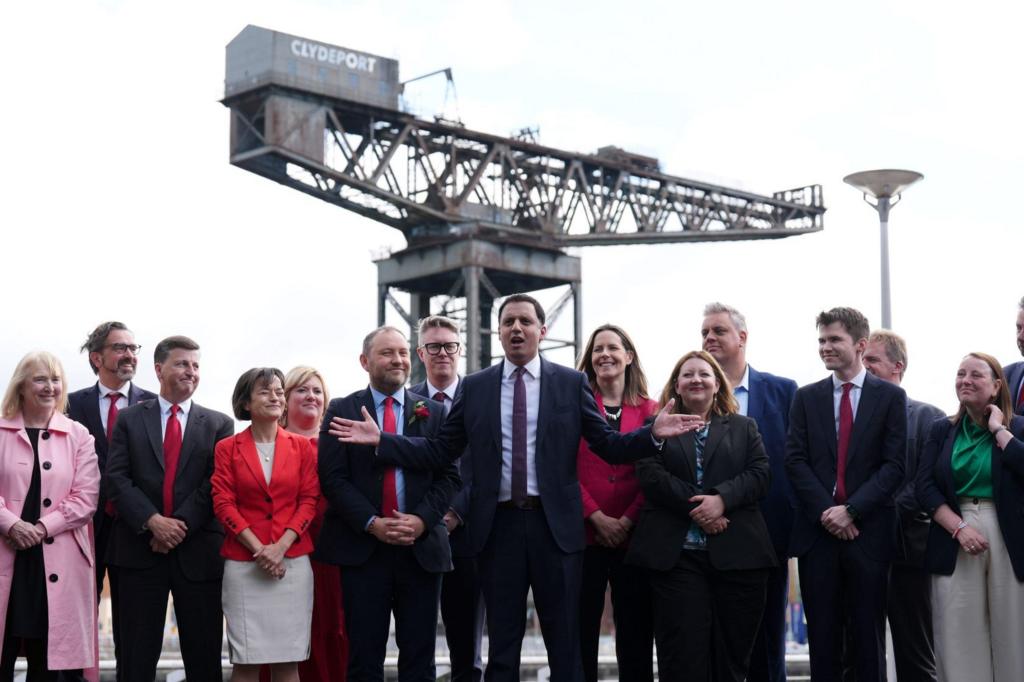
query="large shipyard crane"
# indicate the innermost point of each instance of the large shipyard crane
(483, 215)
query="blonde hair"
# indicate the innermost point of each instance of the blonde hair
(13, 401)
(724, 402)
(296, 377)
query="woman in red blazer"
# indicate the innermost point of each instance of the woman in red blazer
(611, 504)
(265, 491)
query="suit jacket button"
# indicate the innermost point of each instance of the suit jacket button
(267, 499)
(48, 541)
(46, 435)
(46, 502)
(269, 517)
(53, 577)
(611, 479)
(47, 465)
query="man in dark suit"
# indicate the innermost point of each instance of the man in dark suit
(1015, 372)
(113, 356)
(384, 525)
(165, 538)
(766, 399)
(844, 455)
(910, 611)
(462, 603)
(522, 420)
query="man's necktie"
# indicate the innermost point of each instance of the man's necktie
(519, 437)
(389, 493)
(172, 449)
(112, 413)
(845, 427)
(440, 396)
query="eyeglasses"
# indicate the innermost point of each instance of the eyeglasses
(450, 348)
(133, 348)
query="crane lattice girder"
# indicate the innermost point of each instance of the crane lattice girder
(434, 179)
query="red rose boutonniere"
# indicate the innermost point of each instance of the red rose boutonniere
(420, 411)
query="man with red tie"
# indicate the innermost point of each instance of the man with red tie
(462, 603)
(113, 356)
(165, 538)
(845, 456)
(1015, 372)
(385, 525)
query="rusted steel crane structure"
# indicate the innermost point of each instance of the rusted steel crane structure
(483, 215)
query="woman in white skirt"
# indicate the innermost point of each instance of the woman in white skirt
(265, 491)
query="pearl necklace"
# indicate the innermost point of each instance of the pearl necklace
(613, 415)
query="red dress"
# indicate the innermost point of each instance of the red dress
(328, 644)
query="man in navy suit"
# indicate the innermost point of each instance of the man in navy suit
(384, 525)
(845, 458)
(462, 603)
(522, 420)
(1015, 372)
(114, 357)
(766, 399)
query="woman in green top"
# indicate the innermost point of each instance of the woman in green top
(971, 480)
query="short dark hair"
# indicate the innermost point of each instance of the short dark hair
(249, 382)
(523, 298)
(853, 321)
(98, 339)
(164, 348)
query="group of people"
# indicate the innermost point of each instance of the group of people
(310, 529)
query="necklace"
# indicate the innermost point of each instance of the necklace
(613, 415)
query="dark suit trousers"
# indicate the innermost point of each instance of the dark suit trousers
(910, 620)
(102, 523)
(141, 610)
(462, 611)
(768, 660)
(844, 588)
(631, 609)
(521, 553)
(390, 580)
(705, 620)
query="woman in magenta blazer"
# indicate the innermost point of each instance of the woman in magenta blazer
(611, 503)
(49, 486)
(265, 492)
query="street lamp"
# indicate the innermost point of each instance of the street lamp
(883, 185)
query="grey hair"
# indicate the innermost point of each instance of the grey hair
(738, 320)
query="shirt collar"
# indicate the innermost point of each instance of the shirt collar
(378, 397)
(449, 391)
(745, 381)
(123, 391)
(532, 367)
(857, 381)
(165, 406)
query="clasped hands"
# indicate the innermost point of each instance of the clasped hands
(709, 513)
(837, 520)
(609, 531)
(23, 535)
(397, 529)
(271, 559)
(366, 432)
(167, 533)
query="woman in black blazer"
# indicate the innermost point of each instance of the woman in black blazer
(701, 532)
(971, 480)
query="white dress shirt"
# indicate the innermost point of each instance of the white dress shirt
(531, 380)
(122, 402)
(449, 392)
(165, 413)
(837, 394)
(741, 391)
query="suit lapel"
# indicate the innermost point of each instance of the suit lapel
(865, 410)
(194, 427)
(134, 394)
(547, 400)
(92, 412)
(755, 398)
(826, 414)
(412, 424)
(718, 430)
(494, 390)
(685, 449)
(151, 418)
(251, 456)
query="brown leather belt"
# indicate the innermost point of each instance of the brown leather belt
(531, 503)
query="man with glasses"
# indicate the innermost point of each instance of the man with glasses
(113, 356)
(462, 607)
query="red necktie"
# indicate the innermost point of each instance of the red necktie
(172, 448)
(389, 495)
(440, 396)
(112, 413)
(845, 427)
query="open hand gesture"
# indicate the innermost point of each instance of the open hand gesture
(667, 424)
(354, 432)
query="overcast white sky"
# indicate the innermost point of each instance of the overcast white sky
(119, 201)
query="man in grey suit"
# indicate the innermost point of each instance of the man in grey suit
(1015, 372)
(165, 537)
(910, 611)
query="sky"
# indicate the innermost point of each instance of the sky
(119, 201)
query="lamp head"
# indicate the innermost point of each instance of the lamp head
(882, 184)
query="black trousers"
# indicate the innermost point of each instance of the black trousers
(910, 621)
(521, 554)
(141, 612)
(631, 610)
(390, 580)
(768, 660)
(705, 620)
(35, 654)
(844, 593)
(102, 523)
(462, 611)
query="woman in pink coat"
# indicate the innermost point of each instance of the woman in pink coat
(49, 485)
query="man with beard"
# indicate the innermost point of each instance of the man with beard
(385, 525)
(113, 357)
(1015, 372)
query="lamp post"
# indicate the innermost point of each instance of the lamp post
(883, 185)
